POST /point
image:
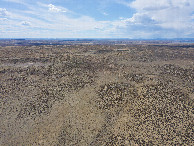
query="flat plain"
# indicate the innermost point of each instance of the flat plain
(95, 95)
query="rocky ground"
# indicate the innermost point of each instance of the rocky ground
(96, 95)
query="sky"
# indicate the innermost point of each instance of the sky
(133, 19)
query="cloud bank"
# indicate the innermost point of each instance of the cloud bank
(163, 18)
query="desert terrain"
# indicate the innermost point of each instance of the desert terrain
(96, 95)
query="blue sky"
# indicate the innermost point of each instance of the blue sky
(97, 19)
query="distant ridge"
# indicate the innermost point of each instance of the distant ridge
(91, 41)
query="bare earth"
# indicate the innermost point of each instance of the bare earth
(96, 95)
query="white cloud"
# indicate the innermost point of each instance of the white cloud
(25, 23)
(169, 14)
(141, 18)
(142, 5)
(104, 13)
(54, 8)
(17, 1)
(123, 2)
(161, 17)
(3, 19)
(3, 12)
